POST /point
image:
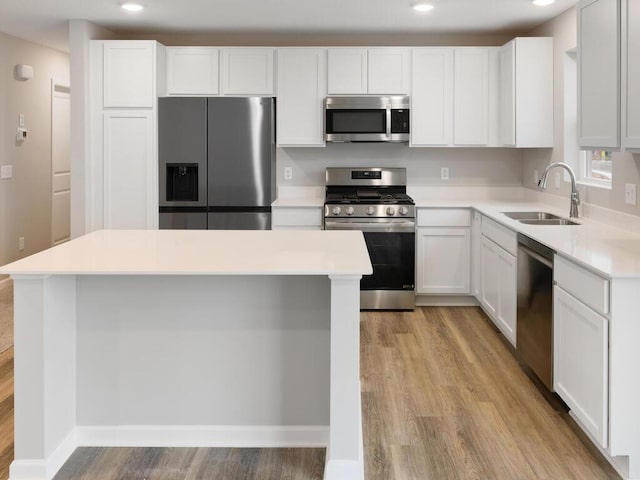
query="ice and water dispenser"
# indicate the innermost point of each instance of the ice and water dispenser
(182, 182)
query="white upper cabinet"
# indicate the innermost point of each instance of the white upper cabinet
(347, 71)
(599, 74)
(192, 71)
(247, 71)
(526, 93)
(375, 71)
(454, 99)
(631, 74)
(389, 71)
(471, 96)
(432, 97)
(129, 74)
(301, 90)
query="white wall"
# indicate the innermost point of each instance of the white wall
(626, 167)
(25, 200)
(467, 166)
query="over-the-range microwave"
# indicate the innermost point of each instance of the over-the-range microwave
(367, 119)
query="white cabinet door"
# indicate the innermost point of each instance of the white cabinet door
(247, 71)
(129, 74)
(508, 94)
(599, 73)
(192, 71)
(130, 171)
(432, 97)
(526, 93)
(471, 96)
(476, 255)
(490, 278)
(507, 295)
(443, 261)
(347, 71)
(301, 90)
(389, 71)
(580, 362)
(631, 76)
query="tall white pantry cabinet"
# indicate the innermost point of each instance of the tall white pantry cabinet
(122, 172)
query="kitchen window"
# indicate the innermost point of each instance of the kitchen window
(593, 167)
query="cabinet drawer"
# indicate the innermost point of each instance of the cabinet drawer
(444, 217)
(587, 287)
(501, 235)
(297, 217)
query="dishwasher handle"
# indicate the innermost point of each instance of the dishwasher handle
(535, 255)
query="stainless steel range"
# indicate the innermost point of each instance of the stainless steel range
(375, 201)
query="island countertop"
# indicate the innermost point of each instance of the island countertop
(202, 252)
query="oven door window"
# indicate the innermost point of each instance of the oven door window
(356, 121)
(393, 259)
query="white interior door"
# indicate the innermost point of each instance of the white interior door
(60, 164)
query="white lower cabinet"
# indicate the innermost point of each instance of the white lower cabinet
(476, 255)
(443, 261)
(580, 362)
(498, 287)
(296, 218)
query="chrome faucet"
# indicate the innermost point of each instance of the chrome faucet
(575, 194)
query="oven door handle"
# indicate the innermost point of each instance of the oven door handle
(371, 226)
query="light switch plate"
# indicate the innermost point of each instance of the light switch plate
(288, 173)
(444, 173)
(630, 193)
(21, 120)
(6, 171)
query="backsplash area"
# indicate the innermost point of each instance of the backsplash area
(467, 166)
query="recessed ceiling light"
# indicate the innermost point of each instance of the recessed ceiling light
(543, 3)
(131, 6)
(422, 7)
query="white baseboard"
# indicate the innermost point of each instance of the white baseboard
(343, 469)
(446, 301)
(204, 436)
(44, 469)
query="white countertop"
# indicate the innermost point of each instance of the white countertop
(607, 250)
(602, 248)
(202, 252)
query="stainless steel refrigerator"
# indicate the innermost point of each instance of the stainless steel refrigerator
(217, 162)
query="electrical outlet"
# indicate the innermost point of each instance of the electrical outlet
(557, 180)
(444, 173)
(630, 193)
(536, 177)
(21, 243)
(288, 173)
(6, 171)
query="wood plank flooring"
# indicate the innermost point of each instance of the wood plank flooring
(443, 398)
(6, 412)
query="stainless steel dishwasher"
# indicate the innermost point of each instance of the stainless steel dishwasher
(534, 341)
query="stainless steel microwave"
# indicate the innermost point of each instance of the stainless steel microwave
(367, 119)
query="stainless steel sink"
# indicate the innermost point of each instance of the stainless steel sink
(549, 221)
(531, 215)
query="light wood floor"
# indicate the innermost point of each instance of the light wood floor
(443, 398)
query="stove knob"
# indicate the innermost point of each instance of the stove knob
(349, 210)
(404, 210)
(371, 210)
(336, 210)
(391, 211)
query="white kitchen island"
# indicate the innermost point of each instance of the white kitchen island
(189, 338)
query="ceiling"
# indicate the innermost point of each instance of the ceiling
(45, 21)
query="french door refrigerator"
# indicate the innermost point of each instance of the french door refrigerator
(217, 162)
